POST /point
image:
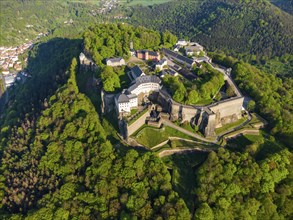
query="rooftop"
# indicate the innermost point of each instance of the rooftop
(162, 61)
(152, 53)
(121, 98)
(114, 60)
(136, 71)
(144, 79)
(178, 56)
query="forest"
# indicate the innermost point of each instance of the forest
(236, 27)
(25, 19)
(113, 40)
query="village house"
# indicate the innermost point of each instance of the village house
(148, 55)
(193, 49)
(170, 72)
(9, 80)
(182, 42)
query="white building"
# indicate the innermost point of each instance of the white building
(9, 80)
(125, 102)
(115, 62)
(182, 42)
(161, 64)
(193, 49)
(128, 99)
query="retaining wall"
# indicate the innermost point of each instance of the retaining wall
(137, 124)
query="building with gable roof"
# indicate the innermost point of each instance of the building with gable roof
(115, 62)
(148, 55)
(160, 65)
(136, 72)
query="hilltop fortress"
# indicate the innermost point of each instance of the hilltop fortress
(146, 92)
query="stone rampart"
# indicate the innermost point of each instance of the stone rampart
(137, 124)
(227, 111)
(208, 117)
(108, 102)
(241, 132)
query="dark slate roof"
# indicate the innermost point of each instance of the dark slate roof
(136, 71)
(152, 53)
(161, 61)
(121, 98)
(144, 79)
(114, 60)
(177, 56)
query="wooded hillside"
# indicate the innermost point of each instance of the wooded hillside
(235, 26)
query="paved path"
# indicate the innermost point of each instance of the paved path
(235, 128)
(165, 153)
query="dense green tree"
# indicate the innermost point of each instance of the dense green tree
(233, 185)
(192, 97)
(110, 79)
(234, 26)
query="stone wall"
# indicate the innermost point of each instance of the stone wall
(189, 112)
(227, 111)
(208, 117)
(108, 102)
(137, 124)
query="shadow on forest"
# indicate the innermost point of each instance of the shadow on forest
(47, 63)
(263, 150)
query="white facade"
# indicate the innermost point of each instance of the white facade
(182, 42)
(160, 65)
(146, 88)
(129, 99)
(115, 62)
(127, 106)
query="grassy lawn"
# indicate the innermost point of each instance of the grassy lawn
(244, 140)
(133, 111)
(185, 144)
(204, 102)
(150, 137)
(144, 2)
(136, 117)
(230, 126)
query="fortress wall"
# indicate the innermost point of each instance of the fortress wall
(228, 108)
(175, 111)
(108, 102)
(137, 124)
(210, 127)
(188, 112)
